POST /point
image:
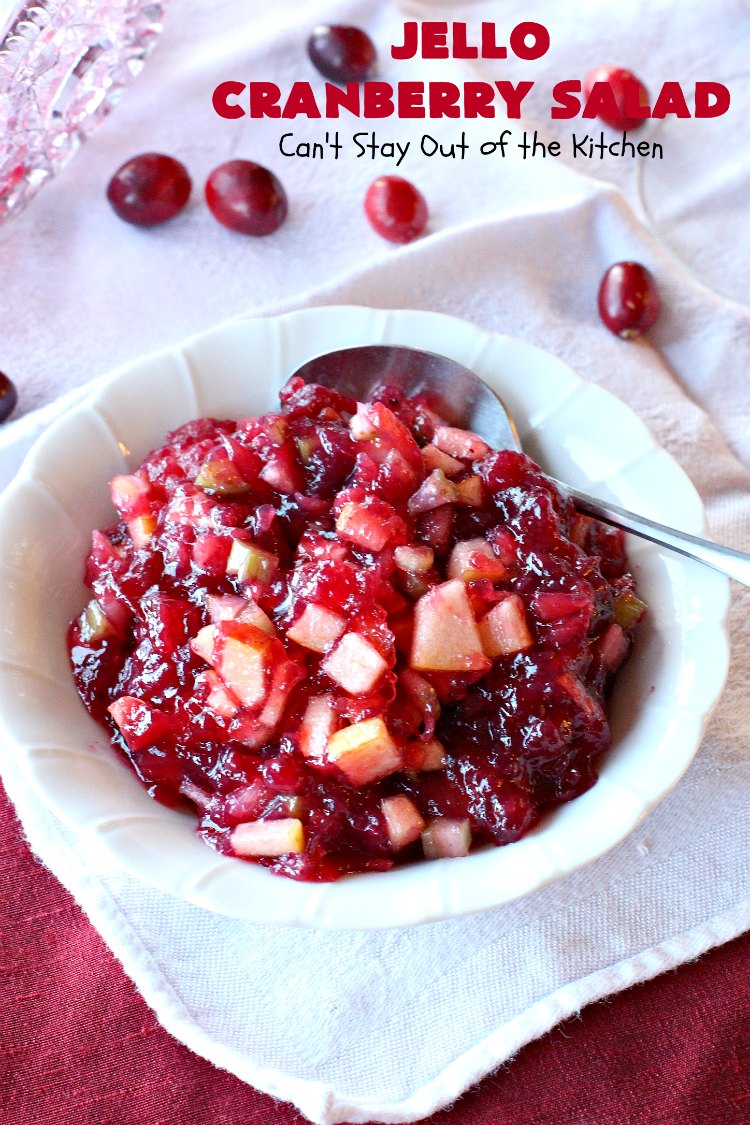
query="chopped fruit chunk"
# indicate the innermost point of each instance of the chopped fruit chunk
(282, 472)
(403, 820)
(364, 751)
(242, 657)
(434, 492)
(460, 443)
(445, 837)
(131, 495)
(221, 476)
(94, 623)
(577, 691)
(355, 664)
(219, 699)
(614, 647)
(317, 628)
(319, 722)
(252, 614)
(504, 629)
(470, 492)
(369, 523)
(628, 609)
(224, 608)
(435, 458)
(269, 837)
(474, 558)
(434, 755)
(141, 530)
(416, 560)
(446, 638)
(203, 644)
(140, 724)
(285, 678)
(251, 563)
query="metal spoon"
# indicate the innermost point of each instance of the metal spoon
(463, 399)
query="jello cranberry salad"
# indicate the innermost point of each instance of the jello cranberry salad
(350, 635)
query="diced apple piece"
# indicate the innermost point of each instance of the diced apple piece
(504, 629)
(247, 802)
(355, 664)
(369, 523)
(251, 563)
(243, 663)
(219, 699)
(403, 821)
(194, 793)
(474, 558)
(94, 625)
(285, 678)
(581, 696)
(446, 838)
(375, 424)
(221, 476)
(460, 443)
(252, 614)
(362, 424)
(614, 647)
(268, 837)
(446, 638)
(140, 724)
(434, 458)
(317, 628)
(224, 608)
(195, 511)
(131, 495)
(141, 530)
(203, 643)
(319, 722)
(434, 492)
(435, 757)
(628, 609)
(281, 472)
(470, 492)
(504, 545)
(414, 559)
(364, 751)
(250, 731)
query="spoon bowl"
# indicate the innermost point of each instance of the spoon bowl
(465, 400)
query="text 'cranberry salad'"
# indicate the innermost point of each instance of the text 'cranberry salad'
(350, 635)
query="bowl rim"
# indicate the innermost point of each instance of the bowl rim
(352, 903)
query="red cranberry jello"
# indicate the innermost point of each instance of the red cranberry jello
(350, 636)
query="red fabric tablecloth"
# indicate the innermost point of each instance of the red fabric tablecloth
(78, 1046)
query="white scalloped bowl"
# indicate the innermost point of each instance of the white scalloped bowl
(577, 431)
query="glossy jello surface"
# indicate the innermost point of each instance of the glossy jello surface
(349, 636)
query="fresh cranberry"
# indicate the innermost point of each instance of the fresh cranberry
(246, 197)
(396, 209)
(149, 189)
(628, 299)
(343, 54)
(623, 84)
(8, 397)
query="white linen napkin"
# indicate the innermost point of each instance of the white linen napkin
(390, 1026)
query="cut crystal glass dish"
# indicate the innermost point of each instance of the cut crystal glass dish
(63, 66)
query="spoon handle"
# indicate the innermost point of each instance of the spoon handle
(736, 564)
